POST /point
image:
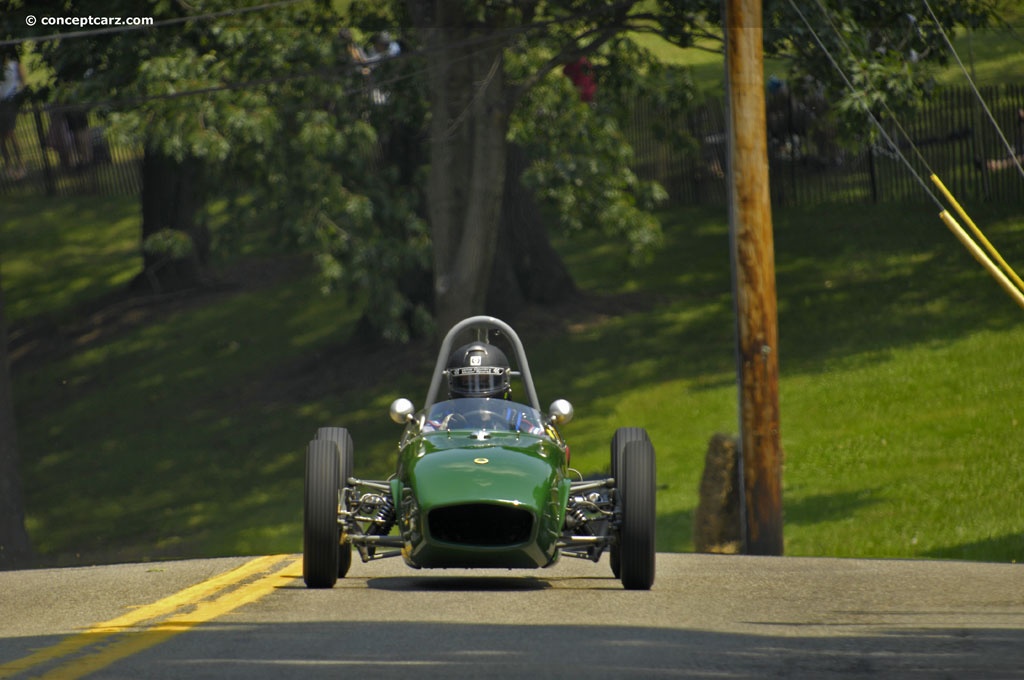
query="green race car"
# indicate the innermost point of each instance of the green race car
(482, 481)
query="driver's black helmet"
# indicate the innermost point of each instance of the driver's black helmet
(479, 370)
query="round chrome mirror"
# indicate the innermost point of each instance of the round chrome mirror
(560, 412)
(402, 410)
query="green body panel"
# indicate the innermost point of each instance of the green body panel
(468, 472)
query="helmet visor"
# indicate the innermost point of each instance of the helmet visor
(478, 381)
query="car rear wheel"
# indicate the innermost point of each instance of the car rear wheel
(343, 440)
(623, 436)
(321, 534)
(636, 488)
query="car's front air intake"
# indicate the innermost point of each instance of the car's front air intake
(481, 524)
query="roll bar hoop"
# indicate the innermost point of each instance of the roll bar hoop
(483, 324)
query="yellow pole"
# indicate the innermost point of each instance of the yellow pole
(981, 257)
(977, 232)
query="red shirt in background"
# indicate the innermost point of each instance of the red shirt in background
(581, 73)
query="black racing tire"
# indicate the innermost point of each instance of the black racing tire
(343, 440)
(622, 436)
(636, 488)
(341, 437)
(321, 533)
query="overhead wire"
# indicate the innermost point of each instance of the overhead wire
(507, 32)
(977, 93)
(860, 96)
(467, 42)
(1004, 275)
(993, 252)
(885, 105)
(328, 74)
(123, 28)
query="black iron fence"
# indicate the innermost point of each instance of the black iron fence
(951, 136)
(62, 159)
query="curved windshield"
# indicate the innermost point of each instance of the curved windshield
(495, 415)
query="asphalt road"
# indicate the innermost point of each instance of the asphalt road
(706, 617)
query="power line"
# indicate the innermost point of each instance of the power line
(468, 42)
(320, 73)
(1009, 281)
(860, 97)
(123, 28)
(884, 103)
(974, 88)
(505, 35)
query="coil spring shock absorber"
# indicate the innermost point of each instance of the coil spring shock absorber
(577, 519)
(384, 519)
(382, 522)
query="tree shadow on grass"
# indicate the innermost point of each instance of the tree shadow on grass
(828, 507)
(674, 531)
(1007, 548)
(853, 288)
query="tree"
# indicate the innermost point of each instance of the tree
(468, 112)
(217, 92)
(222, 95)
(473, 96)
(87, 73)
(206, 92)
(567, 141)
(474, 93)
(887, 49)
(489, 253)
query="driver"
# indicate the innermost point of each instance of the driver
(479, 370)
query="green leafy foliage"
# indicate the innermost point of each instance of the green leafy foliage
(578, 149)
(890, 51)
(172, 243)
(269, 101)
(582, 168)
(334, 154)
(887, 51)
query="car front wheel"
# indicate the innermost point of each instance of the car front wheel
(636, 488)
(343, 440)
(622, 436)
(321, 533)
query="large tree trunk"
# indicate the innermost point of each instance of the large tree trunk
(527, 268)
(469, 122)
(172, 198)
(15, 548)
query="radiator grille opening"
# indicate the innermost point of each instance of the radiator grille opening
(481, 524)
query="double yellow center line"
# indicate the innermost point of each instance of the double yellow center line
(152, 624)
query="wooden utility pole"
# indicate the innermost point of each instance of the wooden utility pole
(753, 266)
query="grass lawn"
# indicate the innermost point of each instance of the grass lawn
(57, 255)
(899, 362)
(177, 428)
